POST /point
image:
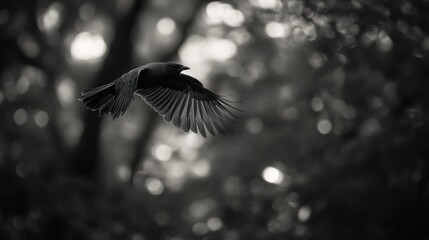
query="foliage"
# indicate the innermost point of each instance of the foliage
(333, 143)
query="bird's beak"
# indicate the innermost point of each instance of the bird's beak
(184, 68)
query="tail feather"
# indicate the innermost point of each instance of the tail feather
(105, 100)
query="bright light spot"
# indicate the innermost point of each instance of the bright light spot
(317, 104)
(223, 12)
(221, 49)
(275, 30)
(234, 18)
(124, 173)
(166, 26)
(87, 46)
(193, 52)
(214, 223)
(65, 91)
(154, 186)
(20, 116)
(199, 229)
(41, 118)
(201, 168)
(385, 42)
(267, 4)
(324, 126)
(304, 213)
(163, 152)
(254, 125)
(194, 141)
(22, 85)
(272, 175)
(216, 10)
(51, 17)
(197, 52)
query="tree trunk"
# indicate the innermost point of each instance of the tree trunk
(86, 159)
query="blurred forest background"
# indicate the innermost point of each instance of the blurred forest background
(333, 144)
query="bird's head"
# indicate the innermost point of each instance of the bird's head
(175, 68)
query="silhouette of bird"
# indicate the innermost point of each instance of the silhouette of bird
(181, 99)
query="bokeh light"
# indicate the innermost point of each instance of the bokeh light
(124, 173)
(41, 118)
(267, 4)
(88, 47)
(214, 223)
(65, 91)
(324, 126)
(166, 26)
(20, 116)
(201, 168)
(304, 213)
(221, 49)
(50, 19)
(327, 89)
(199, 228)
(23, 85)
(272, 175)
(218, 12)
(317, 104)
(154, 186)
(162, 152)
(276, 30)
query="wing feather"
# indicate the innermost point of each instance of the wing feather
(184, 102)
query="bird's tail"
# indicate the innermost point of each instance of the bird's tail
(105, 99)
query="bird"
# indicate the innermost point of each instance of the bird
(181, 99)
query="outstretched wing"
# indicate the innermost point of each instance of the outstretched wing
(185, 103)
(114, 97)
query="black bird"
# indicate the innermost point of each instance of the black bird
(181, 99)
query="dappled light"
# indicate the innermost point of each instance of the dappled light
(166, 26)
(50, 18)
(87, 46)
(272, 175)
(331, 144)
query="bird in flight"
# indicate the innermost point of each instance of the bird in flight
(181, 99)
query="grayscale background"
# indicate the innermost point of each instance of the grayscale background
(333, 143)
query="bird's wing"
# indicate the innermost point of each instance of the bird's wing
(185, 103)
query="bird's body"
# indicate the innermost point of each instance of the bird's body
(180, 98)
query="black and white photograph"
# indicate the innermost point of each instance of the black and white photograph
(214, 120)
